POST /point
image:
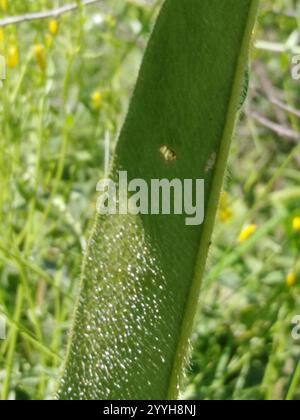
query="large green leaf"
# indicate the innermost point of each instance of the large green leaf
(142, 274)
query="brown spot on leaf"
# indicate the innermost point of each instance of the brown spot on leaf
(168, 154)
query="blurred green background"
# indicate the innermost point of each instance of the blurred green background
(67, 88)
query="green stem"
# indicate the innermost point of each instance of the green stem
(12, 346)
(294, 383)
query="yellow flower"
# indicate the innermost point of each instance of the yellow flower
(40, 56)
(1, 35)
(291, 279)
(247, 232)
(296, 224)
(12, 57)
(225, 212)
(3, 5)
(53, 27)
(96, 100)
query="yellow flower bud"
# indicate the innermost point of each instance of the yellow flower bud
(4, 5)
(12, 57)
(225, 212)
(96, 100)
(40, 56)
(296, 224)
(291, 279)
(247, 232)
(53, 27)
